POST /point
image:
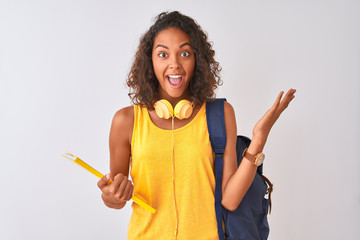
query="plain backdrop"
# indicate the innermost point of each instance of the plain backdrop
(63, 66)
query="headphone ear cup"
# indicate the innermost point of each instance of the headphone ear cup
(183, 109)
(164, 109)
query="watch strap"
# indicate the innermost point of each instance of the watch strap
(252, 158)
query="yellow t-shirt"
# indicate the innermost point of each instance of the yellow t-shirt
(180, 187)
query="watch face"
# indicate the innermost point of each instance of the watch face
(260, 159)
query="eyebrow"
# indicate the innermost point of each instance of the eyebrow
(159, 45)
(163, 46)
(184, 44)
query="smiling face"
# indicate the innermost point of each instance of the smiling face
(173, 61)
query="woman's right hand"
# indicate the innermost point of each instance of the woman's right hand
(115, 194)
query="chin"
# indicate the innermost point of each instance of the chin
(181, 95)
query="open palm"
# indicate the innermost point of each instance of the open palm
(263, 126)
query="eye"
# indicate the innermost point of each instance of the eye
(162, 55)
(185, 54)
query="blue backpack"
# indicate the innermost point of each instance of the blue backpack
(249, 220)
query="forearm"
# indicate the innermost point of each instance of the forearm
(237, 180)
(240, 181)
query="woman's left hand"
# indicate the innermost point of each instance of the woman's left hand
(263, 126)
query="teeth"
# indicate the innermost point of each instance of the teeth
(174, 76)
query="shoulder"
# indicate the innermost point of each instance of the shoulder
(230, 120)
(124, 115)
(122, 123)
(228, 108)
(229, 111)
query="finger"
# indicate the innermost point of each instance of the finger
(289, 95)
(116, 183)
(103, 181)
(290, 92)
(128, 191)
(277, 101)
(122, 185)
(131, 191)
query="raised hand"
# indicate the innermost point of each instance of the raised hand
(263, 126)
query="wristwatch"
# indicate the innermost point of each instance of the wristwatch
(257, 159)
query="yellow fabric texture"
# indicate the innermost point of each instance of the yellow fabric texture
(183, 196)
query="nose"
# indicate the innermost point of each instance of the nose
(174, 63)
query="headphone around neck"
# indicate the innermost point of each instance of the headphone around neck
(182, 110)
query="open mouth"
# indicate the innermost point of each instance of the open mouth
(175, 80)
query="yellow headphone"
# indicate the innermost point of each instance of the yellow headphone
(182, 110)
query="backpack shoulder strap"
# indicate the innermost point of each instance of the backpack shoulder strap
(217, 132)
(216, 124)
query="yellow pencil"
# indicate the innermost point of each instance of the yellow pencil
(77, 160)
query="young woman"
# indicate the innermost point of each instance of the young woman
(171, 159)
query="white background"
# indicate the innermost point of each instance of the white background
(63, 66)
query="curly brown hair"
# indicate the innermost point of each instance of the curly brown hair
(142, 81)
